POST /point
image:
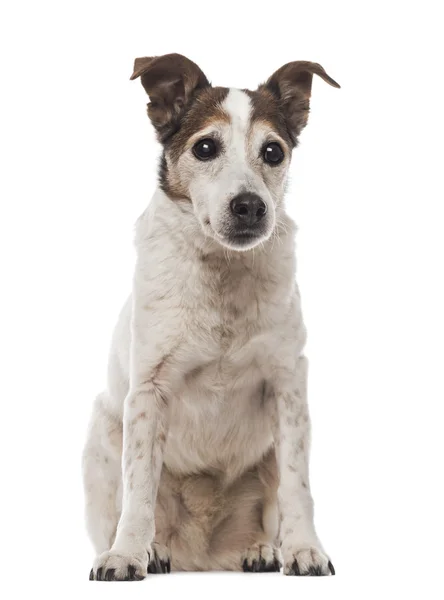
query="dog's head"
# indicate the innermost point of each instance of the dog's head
(227, 151)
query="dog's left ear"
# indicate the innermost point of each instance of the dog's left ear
(291, 84)
(170, 81)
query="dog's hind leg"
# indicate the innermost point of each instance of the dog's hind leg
(102, 476)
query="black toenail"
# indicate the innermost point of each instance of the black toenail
(314, 571)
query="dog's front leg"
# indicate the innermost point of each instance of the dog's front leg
(301, 550)
(145, 427)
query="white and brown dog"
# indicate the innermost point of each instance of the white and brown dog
(197, 453)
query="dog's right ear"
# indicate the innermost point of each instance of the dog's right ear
(170, 81)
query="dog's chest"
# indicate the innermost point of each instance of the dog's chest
(219, 417)
(219, 420)
(220, 412)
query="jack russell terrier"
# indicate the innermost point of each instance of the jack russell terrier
(197, 452)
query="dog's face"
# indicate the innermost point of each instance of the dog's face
(227, 151)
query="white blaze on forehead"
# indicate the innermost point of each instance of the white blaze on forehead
(237, 105)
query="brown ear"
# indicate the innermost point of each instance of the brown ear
(292, 86)
(170, 81)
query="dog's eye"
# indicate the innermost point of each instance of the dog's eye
(205, 149)
(273, 153)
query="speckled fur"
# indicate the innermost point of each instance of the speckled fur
(199, 444)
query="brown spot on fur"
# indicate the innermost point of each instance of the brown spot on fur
(157, 370)
(160, 366)
(194, 373)
(266, 108)
(170, 185)
(205, 109)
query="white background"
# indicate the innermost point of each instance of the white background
(78, 163)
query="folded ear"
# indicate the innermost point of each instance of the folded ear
(170, 81)
(292, 86)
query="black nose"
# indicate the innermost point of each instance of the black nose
(248, 208)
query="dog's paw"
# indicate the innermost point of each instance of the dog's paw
(117, 566)
(160, 559)
(307, 560)
(261, 558)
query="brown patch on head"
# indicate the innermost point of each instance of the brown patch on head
(172, 187)
(267, 109)
(205, 109)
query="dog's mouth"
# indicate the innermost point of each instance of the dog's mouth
(237, 236)
(241, 240)
(244, 238)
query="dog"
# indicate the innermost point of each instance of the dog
(197, 453)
